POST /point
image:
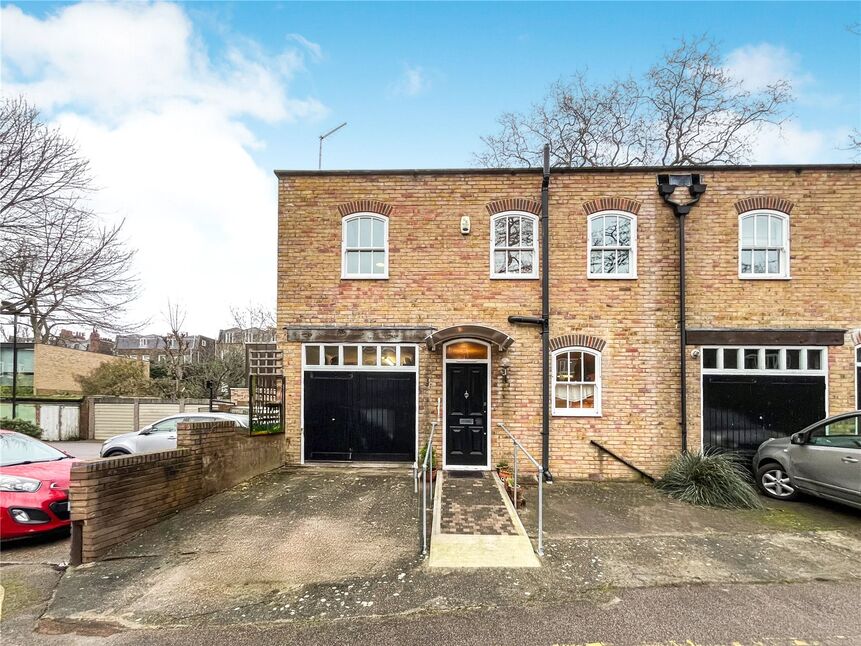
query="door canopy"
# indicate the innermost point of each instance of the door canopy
(469, 331)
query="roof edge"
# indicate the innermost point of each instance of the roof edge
(565, 170)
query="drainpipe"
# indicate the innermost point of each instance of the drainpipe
(544, 320)
(666, 186)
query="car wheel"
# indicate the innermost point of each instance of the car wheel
(115, 453)
(775, 483)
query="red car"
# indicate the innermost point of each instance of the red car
(34, 486)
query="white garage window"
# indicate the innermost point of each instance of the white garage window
(350, 356)
(751, 359)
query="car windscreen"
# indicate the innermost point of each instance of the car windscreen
(18, 449)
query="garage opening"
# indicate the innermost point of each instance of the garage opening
(359, 402)
(753, 394)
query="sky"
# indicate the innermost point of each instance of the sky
(184, 110)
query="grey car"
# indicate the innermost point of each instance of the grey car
(822, 460)
(161, 435)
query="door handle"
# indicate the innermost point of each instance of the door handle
(851, 460)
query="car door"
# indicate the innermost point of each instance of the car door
(160, 437)
(829, 462)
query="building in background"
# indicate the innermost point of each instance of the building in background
(153, 347)
(236, 338)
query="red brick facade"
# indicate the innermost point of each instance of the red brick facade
(439, 277)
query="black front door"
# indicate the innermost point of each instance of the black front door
(466, 414)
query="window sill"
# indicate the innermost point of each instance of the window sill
(611, 277)
(750, 277)
(386, 277)
(514, 277)
(576, 413)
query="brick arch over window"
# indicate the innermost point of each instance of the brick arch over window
(577, 340)
(365, 206)
(612, 204)
(758, 202)
(514, 204)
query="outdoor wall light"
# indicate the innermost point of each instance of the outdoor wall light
(504, 366)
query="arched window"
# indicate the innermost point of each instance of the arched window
(576, 378)
(513, 245)
(612, 245)
(365, 246)
(763, 245)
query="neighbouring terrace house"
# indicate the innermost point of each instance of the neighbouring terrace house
(154, 348)
(396, 288)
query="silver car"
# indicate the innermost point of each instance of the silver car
(161, 435)
(822, 460)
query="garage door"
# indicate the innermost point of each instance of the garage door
(753, 394)
(359, 402)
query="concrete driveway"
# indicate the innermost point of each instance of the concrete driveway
(302, 544)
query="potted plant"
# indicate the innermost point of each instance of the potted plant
(509, 487)
(503, 470)
(431, 462)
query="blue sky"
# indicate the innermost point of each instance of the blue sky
(185, 109)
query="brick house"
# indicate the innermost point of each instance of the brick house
(395, 290)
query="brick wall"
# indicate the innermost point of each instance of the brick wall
(55, 368)
(115, 498)
(438, 277)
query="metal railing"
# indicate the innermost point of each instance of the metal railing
(519, 447)
(426, 471)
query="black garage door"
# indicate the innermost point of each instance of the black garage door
(740, 412)
(360, 416)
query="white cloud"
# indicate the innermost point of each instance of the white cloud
(757, 66)
(313, 48)
(413, 81)
(794, 144)
(164, 125)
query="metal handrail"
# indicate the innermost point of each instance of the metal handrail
(427, 465)
(519, 447)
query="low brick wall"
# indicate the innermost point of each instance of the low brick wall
(115, 498)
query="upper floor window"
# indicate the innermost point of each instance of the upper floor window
(365, 244)
(612, 245)
(763, 245)
(577, 382)
(144, 343)
(514, 245)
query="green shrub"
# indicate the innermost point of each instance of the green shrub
(21, 426)
(710, 479)
(269, 428)
(422, 453)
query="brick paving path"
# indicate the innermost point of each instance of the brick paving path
(473, 505)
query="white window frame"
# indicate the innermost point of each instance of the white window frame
(632, 248)
(784, 255)
(781, 369)
(577, 412)
(533, 219)
(345, 275)
(143, 343)
(857, 351)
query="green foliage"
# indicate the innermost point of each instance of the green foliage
(272, 428)
(118, 378)
(21, 426)
(422, 453)
(710, 479)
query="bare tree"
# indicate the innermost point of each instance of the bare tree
(687, 109)
(253, 315)
(40, 169)
(68, 269)
(176, 346)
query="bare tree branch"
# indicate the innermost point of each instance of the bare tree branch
(686, 110)
(40, 169)
(69, 270)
